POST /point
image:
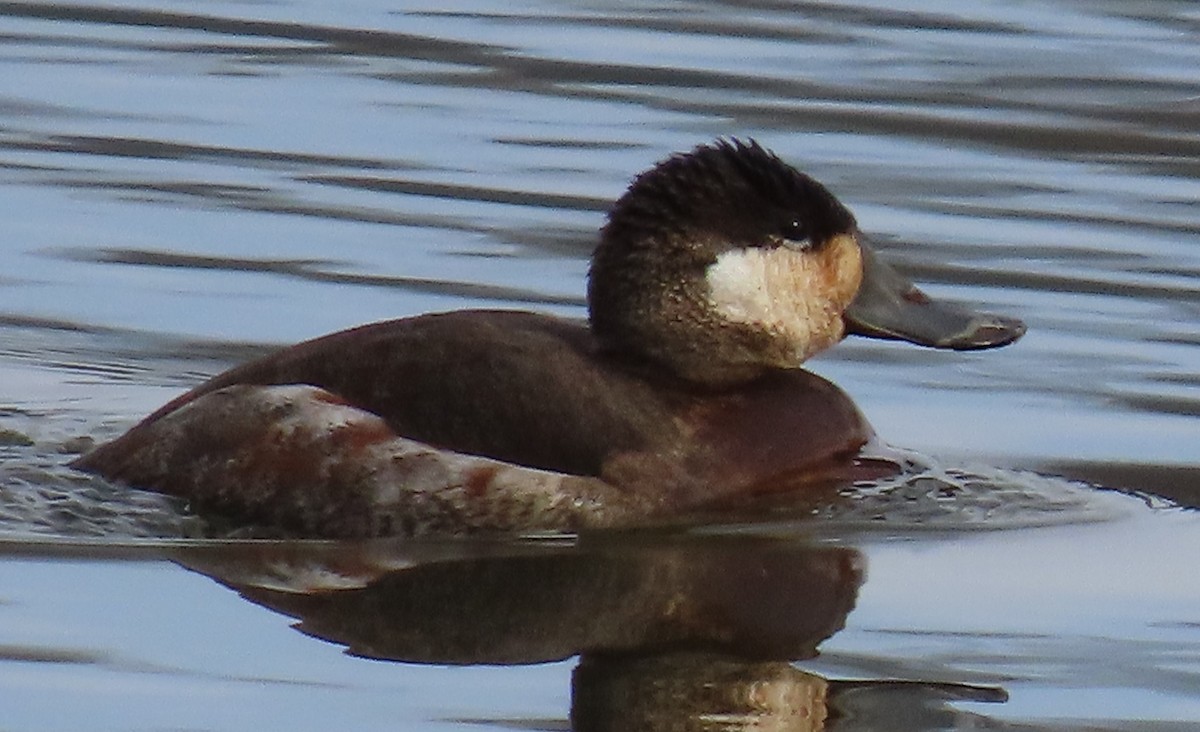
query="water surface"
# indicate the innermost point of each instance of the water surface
(188, 185)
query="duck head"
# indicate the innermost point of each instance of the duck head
(725, 262)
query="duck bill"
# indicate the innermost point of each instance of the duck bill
(889, 306)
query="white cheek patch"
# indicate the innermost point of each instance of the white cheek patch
(775, 289)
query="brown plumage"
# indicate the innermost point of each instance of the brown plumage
(718, 273)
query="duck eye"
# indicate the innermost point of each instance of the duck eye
(793, 230)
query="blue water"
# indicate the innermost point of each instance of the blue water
(187, 185)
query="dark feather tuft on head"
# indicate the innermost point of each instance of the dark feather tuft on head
(731, 189)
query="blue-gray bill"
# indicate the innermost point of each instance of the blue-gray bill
(889, 306)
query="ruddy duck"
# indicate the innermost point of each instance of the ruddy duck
(719, 272)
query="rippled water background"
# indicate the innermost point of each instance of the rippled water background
(184, 185)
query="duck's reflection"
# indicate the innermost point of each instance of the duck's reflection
(709, 691)
(695, 691)
(677, 633)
